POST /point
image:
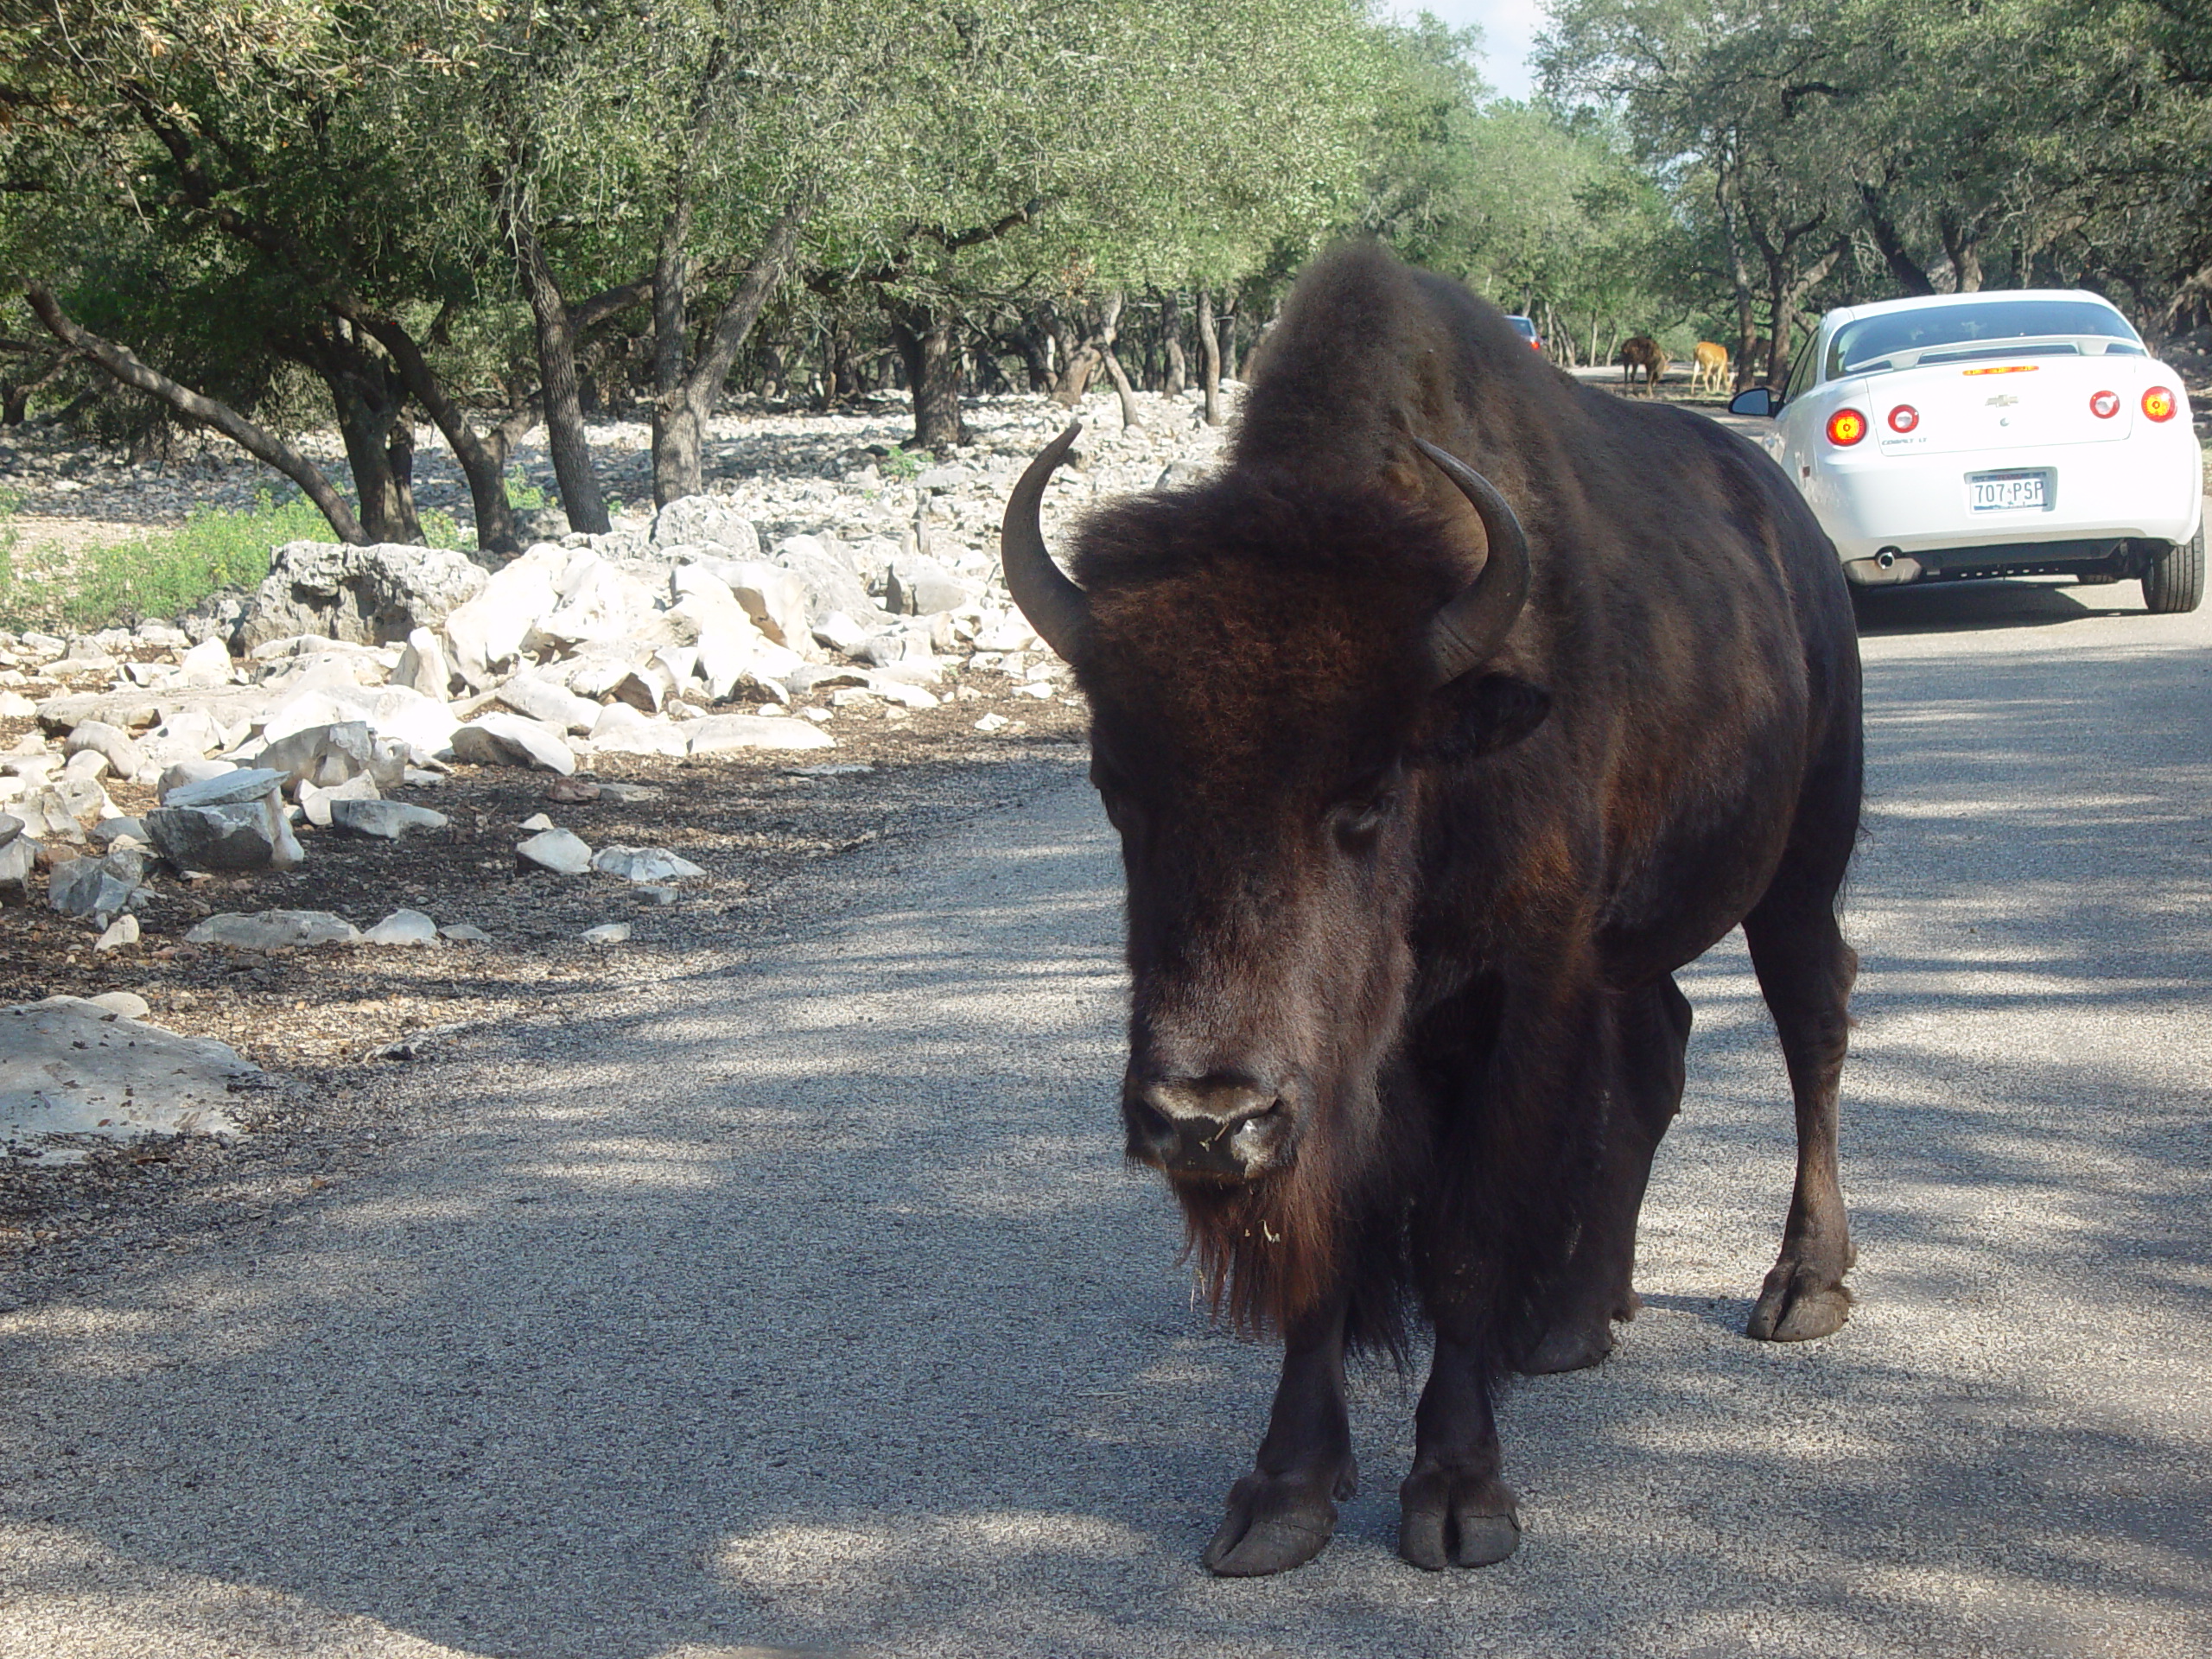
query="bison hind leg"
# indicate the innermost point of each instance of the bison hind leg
(1805, 971)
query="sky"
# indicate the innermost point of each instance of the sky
(1508, 28)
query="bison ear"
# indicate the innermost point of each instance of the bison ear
(1491, 712)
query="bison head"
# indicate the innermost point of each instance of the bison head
(1277, 678)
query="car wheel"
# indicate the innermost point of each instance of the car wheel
(2173, 580)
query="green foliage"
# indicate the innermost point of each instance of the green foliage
(523, 495)
(9, 501)
(1546, 215)
(166, 575)
(1817, 153)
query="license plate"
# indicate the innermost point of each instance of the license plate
(2003, 491)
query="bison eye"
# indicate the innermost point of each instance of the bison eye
(1121, 811)
(1356, 821)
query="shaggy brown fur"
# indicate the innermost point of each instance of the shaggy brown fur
(1431, 930)
(1642, 354)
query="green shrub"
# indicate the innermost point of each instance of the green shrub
(7, 554)
(168, 574)
(439, 530)
(523, 495)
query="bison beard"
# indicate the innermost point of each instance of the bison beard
(1464, 706)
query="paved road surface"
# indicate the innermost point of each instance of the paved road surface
(810, 1306)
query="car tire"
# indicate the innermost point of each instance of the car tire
(2173, 580)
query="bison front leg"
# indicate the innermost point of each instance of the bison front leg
(1455, 1508)
(1282, 1513)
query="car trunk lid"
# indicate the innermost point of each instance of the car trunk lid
(1995, 403)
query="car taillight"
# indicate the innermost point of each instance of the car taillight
(2158, 404)
(1903, 418)
(2104, 405)
(1847, 427)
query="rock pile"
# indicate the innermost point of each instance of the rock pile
(851, 587)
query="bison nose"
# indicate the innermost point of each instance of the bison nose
(1215, 1130)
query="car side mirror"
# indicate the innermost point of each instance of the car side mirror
(1758, 400)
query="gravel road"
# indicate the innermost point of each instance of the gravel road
(804, 1302)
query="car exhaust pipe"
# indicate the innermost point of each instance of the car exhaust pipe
(1886, 567)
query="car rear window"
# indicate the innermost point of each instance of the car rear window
(1949, 333)
(1523, 325)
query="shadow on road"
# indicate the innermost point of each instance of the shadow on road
(1960, 606)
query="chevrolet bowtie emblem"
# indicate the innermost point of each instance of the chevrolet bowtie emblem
(2002, 399)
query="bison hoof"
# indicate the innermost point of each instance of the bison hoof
(1277, 1522)
(1578, 1341)
(1451, 1519)
(1795, 1305)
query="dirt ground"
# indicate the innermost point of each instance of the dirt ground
(328, 1024)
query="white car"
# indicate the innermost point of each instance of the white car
(2019, 432)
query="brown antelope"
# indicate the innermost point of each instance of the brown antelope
(1709, 367)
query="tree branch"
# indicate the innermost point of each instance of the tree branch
(121, 363)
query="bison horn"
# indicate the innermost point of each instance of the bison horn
(1473, 624)
(1055, 606)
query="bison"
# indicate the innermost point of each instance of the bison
(1461, 709)
(1643, 352)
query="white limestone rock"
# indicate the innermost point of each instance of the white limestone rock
(718, 732)
(71, 1068)
(621, 730)
(406, 927)
(645, 864)
(383, 820)
(558, 850)
(486, 633)
(548, 702)
(693, 519)
(422, 667)
(364, 594)
(497, 739)
(274, 929)
(110, 743)
(316, 804)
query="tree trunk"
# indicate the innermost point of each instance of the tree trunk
(683, 402)
(672, 351)
(1962, 242)
(1902, 266)
(924, 337)
(573, 468)
(1739, 278)
(384, 491)
(1171, 341)
(1790, 291)
(1035, 347)
(485, 471)
(16, 394)
(1209, 351)
(1080, 360)
(1108, 331)
(122, 365)
(1229, 346)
